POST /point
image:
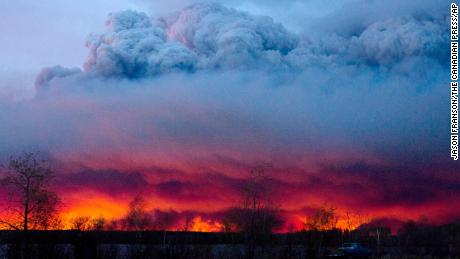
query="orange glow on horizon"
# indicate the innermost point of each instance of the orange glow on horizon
(200, 225)
(95, 207)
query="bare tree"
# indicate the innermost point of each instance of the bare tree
(324, 218)
(85, 223)
(258, 213)
(31, 204)
(81, 223)
(378, 229)
(188, 222)
(113, 224)
(257, 216)
(229, 221)
(98, 224)
(349, 222)
(137, 217)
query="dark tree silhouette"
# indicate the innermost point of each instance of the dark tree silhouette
(98, 224)
(137, 217)
(324, 219)
(85, 223)
(257, 215)
(31, 204)
(81, 223)
(188, 222)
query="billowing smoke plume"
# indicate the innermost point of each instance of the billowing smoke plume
(215, 38)
(189, 102)
(200, 37)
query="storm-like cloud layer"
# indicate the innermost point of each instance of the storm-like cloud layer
(181, 107)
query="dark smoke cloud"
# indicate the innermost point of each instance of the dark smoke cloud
(202, 36)
(105, 181)
(213, 37)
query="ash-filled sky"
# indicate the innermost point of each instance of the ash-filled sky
(178, 100)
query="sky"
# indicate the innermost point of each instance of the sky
(178, 100)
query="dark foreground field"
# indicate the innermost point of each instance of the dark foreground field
(164, 244)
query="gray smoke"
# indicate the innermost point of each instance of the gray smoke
(215, 38)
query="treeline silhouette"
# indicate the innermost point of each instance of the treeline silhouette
(247, 229)
(414, 240)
